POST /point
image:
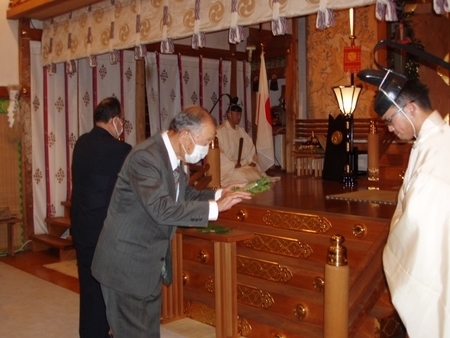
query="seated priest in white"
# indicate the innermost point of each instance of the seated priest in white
(238, 159)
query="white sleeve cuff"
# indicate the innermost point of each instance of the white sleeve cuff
(213, 211)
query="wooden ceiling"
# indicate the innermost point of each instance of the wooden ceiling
(44, 9)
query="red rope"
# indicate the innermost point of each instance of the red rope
(66, 99)
(180, 70)
(200, 68)
(220, 90)
(246, 83)
(122, 93)
(46, 152)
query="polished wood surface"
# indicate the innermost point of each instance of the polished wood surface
(308, 194)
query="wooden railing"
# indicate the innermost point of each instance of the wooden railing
(394, 153)
(305, 127)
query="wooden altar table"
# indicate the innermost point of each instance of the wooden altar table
(280, 271)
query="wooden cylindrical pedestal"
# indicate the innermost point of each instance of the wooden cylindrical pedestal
(336, 290)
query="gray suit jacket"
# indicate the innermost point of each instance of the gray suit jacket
(134, 244)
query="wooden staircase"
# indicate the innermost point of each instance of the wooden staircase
(56, 227)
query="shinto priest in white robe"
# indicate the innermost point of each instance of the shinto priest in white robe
(416, 257)
(229, 149)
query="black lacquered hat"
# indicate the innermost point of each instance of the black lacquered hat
(389, 86)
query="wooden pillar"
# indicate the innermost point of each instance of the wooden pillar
(233, 80)
(225, 289)
(292, 88)
(26, 34)
(225, 277)
(140, 101)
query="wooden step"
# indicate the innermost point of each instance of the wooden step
(58, 226)
(67, 205)
(45, 241)
(54, 242)
(59, 221)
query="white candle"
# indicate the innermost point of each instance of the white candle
(351, 21)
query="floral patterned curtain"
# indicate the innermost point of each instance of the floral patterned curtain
(62, 109)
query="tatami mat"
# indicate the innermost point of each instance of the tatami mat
(187, 328)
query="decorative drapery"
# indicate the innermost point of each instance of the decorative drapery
(121, 24)
(109, 26)
(62, 110)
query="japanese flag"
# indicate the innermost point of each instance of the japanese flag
(264, 137)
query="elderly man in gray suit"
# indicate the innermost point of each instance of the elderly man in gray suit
(149, 201)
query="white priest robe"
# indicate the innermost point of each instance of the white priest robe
(229, 149)
(416, 257)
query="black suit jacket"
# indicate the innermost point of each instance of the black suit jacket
(96, 162)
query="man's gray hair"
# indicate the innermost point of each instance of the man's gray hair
(192, 119)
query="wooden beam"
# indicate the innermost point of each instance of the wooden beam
(4, 92)
(274, 46)
(210, 53)
(31, 33)
(44, 9)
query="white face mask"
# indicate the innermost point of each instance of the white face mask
(198, 153)
(117, 131)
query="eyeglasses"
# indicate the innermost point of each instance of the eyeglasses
(389, 119)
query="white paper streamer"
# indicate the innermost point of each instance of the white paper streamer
(441, 6)
(385, 10)
(325, 16)
(279, 24)
(13, 107)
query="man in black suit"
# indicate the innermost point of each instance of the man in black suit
(149, 201)
(97, 159)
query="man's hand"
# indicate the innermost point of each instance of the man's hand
(232, 186)
(230, 198)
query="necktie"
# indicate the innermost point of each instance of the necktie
(176, 177)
